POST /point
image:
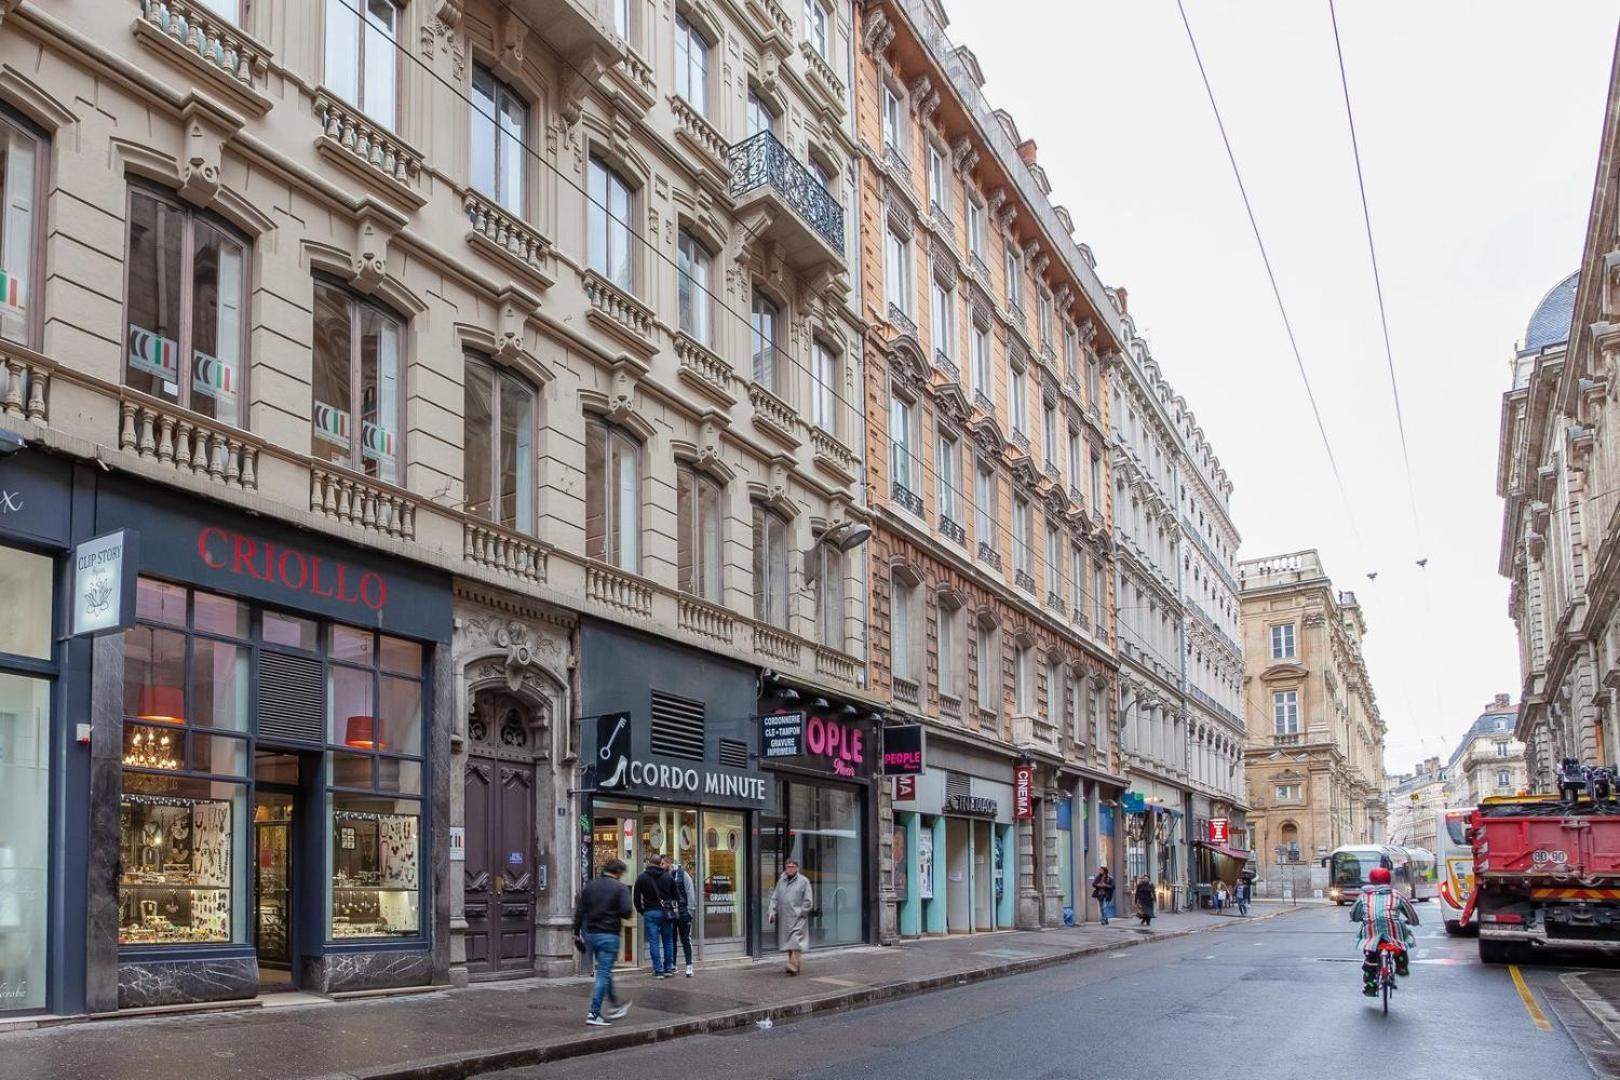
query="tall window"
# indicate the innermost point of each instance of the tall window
(1282, 642)
(1096, 482)
(946, 475)
(1285, 712)
(1013, 271)
(1044, 318)
(362, 62)
(1049, 432)
(1023, 537)
(830, 596)
(823, 387)
(984, 507)
(1054, 689)
(499, 120)
(357, 367)
(892, 123)
(1501, 748)
(900, 618)
(770, 567)
(612, 496)
(767, 368)
(1074, 457)
(1503, 779)
(975, 226)
(761, 117)
(500, 454)
(609, 214)
(985, 662)
(691, 65)
(187, 337)
(622, 19)
(903, 436)
(1021, 694)
(943, 317)
(815, 27)
(981, 361)
(697, 527)
(1099, 598)
(1077, 577)
(897, 270)
(939, 192)
(692, 285)
(1017, 396)
(1071, 353)
(1054, 562)
(949, 643)
(1288, 792)
(20, 176)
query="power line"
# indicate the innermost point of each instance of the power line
(1378, 284)
(1271, 275)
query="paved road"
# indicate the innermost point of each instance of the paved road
(1274, 999)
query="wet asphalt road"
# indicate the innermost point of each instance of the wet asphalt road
(1274, 999)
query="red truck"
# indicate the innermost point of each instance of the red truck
(1547, 875)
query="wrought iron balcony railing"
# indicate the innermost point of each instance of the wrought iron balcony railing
(761, 160)
(952, 530)
(907, 498)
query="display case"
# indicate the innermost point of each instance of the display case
(375, 874)
(174, 885)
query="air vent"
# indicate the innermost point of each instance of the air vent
(677, 727)
(733, 754)
(956, 784)
(292, 698)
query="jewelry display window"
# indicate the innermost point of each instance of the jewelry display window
(175, 869)
(376, 869)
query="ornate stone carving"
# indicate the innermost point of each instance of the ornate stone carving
(964, 156)
(511, 35)
(373, 232)
(207, 131)
(877, 33)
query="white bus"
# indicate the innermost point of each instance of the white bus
(1456, 862)
(1411, 871)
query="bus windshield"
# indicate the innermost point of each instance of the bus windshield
(1352, 867)
(1456, 828)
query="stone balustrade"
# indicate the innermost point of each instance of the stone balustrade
(618, 306)
(704, 366)
(776, 644)
(157, 431)
(210, 37)
(350, 131)
(638, 73)
(827, 445)
(503, 231)
(702, 134)
(906, 691)
(24, 388)
(835, 664)
(706, 620)
(355, 500)
(772, 408)
(618, 589)
(503, 550)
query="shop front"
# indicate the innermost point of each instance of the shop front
(263, 743)
(670, 749)
(1154, 841)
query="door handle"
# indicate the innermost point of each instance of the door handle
(500, 884)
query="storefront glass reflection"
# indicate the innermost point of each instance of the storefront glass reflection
(24, 836)
(823, 831)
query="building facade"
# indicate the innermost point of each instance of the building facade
(445, 358)
(1489, 760)
(1413, 802)
(1315, 748)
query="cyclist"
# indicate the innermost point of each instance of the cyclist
(1384, 917)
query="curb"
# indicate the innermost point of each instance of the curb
(457, 1067)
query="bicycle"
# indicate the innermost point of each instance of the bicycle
(1386, 970)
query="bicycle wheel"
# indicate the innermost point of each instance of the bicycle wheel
(1384, 982)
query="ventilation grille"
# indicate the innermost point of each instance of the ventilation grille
(957, 784)
(292, 698)
(677, 727)
(733, 754)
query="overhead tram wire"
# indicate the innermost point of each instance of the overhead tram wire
(918, 461)
(1271, 276)
(1378, 285)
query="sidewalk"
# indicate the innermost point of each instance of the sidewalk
(457, 1033)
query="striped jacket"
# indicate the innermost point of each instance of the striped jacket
(1383, 916)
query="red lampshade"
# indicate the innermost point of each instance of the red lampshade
(362, 733)
(165, 703)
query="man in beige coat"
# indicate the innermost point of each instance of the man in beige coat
(794, 899)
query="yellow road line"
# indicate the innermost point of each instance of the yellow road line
(1529, 999)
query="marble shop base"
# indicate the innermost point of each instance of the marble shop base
(336, 973)
(180, 982)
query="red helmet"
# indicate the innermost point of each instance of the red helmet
(1378, 875)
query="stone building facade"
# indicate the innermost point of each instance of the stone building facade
(1489, 759)
(1414, 801)
(1315, 748)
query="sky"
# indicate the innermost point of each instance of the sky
(1478, 124)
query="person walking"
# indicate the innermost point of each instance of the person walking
(655, 902)
(685, 904)
(793, 900)
(1220, 895)
(599, 916)
(1102, 891)
(1144, 900)
(1240, 896)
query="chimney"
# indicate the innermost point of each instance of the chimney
(1026, 151)
(1119, 293)
(1501, 701)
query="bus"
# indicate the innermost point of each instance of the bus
(1411, 871)
(1456, 862)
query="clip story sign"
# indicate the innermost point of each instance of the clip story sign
(104, 583)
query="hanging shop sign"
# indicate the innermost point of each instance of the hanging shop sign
(1133, 802)
(612, 768)
(903, 750)
(1023, 791)
(821, 741)
(905, 789)
(782, 735)
(104, 571)
(1220, 831)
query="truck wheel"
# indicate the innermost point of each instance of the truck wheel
(1493, 952)
(1453, 928)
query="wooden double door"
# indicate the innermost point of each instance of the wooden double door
(500, 875)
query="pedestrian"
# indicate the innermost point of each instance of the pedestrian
(685, 904)
(1240, 896)
(603, 906)
(1144, 900)
(1220, 895)
(655, 901)
(1102, 891)
(793, 899)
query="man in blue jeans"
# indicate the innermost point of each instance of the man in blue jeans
(603, 906)
(655, 901)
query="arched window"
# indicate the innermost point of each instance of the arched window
(612, 496)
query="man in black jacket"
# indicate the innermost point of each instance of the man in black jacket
(655, 900)
(603, 906)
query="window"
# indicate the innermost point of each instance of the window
(823, 387)
(830, 596)
(1054, 562)
(1012, 271)
(1099, 598)
(362, 64)
(1503, 779)
(761, 117)
(1017, 396)
(612, 496)
(945, 475)
(984, 507)
(187, 294)
(892, 128)
(1021, 702)
(900, 616)
(500, 454)
(1049, 432)
(1071, 350)
(622, 15)
(766, 316)
(697, 525)
(981, 361)
(1044, 318)
(1096, 482)
(948, 618)
(1288, 792)
(1074, 457)
(1023, 537)
(691, 65)
(815, 27)
(770, 567)
(20, 178)
(499, 124)
(692, 284)
(357, 363)
(1285, 712)
(1054, 690)
(943, 316)
(1501, 748)
(1282, 641)
(939, 194)
(1077, 577)
(985, 658)
(975, 227)
(609, 214)
(903, 440)
(1093, 393)
(897, 270)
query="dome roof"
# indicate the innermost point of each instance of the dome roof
(1549, 325)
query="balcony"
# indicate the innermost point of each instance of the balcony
(504, 551)
(620, 314)
(1288, 740)
(946, 366)
(358, 501)
(162, 432)
(832, 455)
(1024, 580)
(1021, 440)
(572, 28)
(799, 214)
(906, 691)
(705, 371)
(1055, 602)
(907, 498)
(1052, 472)
(230, 60)
(989, 555)
(897, 160)
(902, 322)
(615, 588)
(1035, 733)
(502, 234)
(979, 268)
(694, 129)
(369, 150)
(952, 531)
(983, 401)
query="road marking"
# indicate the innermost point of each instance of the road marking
(1529, 999)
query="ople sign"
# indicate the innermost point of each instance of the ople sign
(837, 747)
(1023, 792)
(903, 750)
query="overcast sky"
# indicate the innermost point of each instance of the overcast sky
(1479, 125)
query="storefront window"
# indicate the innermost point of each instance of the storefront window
(25, 582)
(24, 838)
(177, 871)
(723, 875)
(376, 860)
(824, 834)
